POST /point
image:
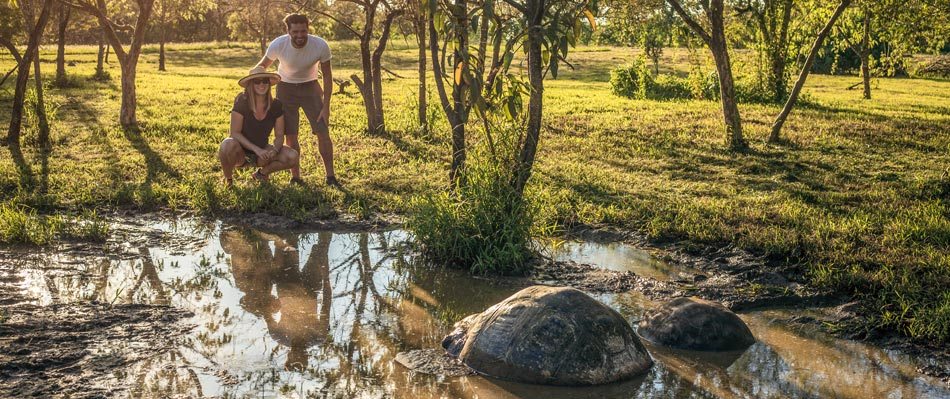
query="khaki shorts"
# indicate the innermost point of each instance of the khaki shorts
(305, 95)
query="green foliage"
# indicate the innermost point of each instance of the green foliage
(637, 80)
(632, 80)
(483, 226)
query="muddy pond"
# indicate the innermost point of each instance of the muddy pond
(323, 314)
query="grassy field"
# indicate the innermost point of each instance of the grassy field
(860, 194)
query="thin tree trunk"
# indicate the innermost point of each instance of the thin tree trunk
(806, 68)
(452, 115)
(128, 60)
(727, 89)
(40, 106)
(423, 99)
(23, 73)
(865, 55)
(460, 12)
(161, 49)
(100, 57)
(11, 48)
(367, 86)
(64, 12)
(529, 147)
(16, 57)
(716, 41)
(161, 41)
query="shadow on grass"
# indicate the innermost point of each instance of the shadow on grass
(27, 180)
(154, 163)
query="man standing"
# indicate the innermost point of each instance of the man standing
(299, 52)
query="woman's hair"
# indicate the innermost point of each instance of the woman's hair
(251, 98)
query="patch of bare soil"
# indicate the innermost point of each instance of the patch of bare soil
(78, 350)
(75, 350)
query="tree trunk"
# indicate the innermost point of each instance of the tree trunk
(529, 147)
(40, 106)
(460, 13)
(263, 46)
(100, 57)
(23, 73)
(423, 100)
(127, 109)
(161, 48)
(368, 85)
(779, 54)
(453, 116)
(715, 39)
(727, 95)
(64, 12)
(727, 89)
(865, 56)
(806, 68)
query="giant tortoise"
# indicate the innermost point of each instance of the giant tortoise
(549, 335)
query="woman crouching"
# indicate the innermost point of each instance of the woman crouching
(254, 115)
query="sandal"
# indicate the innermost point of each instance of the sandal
(260, 176)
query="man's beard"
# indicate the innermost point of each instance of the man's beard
(300, 42)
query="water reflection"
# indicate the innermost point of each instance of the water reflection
(324, 314)
(616, 256)
(298, 316)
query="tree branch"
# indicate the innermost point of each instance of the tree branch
(337, 20)
(384, 37)
(698, 29)
(13, 50)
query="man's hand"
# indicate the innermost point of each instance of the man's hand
(324, 115)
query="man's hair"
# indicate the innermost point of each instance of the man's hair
(295, 19)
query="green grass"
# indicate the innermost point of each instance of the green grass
(859, 194)
(483, 224)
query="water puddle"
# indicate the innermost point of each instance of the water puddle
(322, 314)
(615, 256)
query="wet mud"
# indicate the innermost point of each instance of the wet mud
(76, 350)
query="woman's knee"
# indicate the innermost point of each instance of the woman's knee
(229, 146)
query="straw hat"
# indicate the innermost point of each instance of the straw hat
(259, 72)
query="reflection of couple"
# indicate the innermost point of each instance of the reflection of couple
(296, 317)
(255, 114)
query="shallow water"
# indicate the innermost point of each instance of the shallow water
(320, 314)
(619, 257)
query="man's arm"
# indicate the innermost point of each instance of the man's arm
(327, 71)
(265, 62)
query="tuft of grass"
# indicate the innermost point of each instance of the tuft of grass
(22, 225)
(483, 225)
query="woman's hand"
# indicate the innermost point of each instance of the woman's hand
(263, 155)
